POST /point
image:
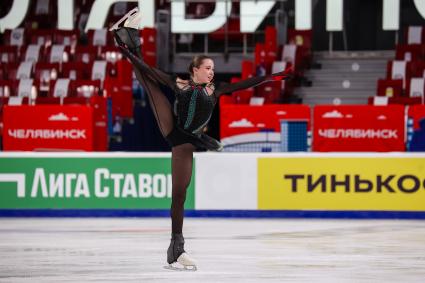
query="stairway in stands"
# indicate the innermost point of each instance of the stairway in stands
(344, 77)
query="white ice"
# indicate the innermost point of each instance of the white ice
(226, 250)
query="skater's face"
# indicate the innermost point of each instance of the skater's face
(205, 72)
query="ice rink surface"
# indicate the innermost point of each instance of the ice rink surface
(227, 250)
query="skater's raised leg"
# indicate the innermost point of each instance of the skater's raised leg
(127, 36)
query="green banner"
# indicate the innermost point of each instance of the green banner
(88, 183)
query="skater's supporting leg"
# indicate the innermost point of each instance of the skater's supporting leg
(181, 166)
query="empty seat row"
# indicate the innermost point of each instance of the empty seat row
(58, 54)
(99, 69)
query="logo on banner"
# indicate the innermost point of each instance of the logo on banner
(87, 183)
(341, 183)
(106, 184)
(65, 127)
(358, 128)
(61, 117)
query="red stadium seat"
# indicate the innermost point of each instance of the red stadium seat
(121, 96)
(290, 54)
(416, 88)
(389, 88)
(41, 37)
(110, 54)
(270, 40)
(3, 101)
(34, 53)
(17, 37)
(149, 39)
(300, 37)
(286, 86)
(75, 71)
(149, 46)
(58, 53)
(100, 128)
(100, 70)
(414, 35)
(9, 54)
(16, 71)
(375, 100)
(248, 69)
(7, 88)
(303, 40)
(271, 56)
(86, 54)
(48, 100)
(418, 68)
(124, 72)
(85, 88)
(44, 73)
(400, 70)
(100, 37)
(270, 91)
(412, 52)
(260, 57)
(66, 37)
(27, 88)
(59, 88)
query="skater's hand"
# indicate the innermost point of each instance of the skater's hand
(287, 74)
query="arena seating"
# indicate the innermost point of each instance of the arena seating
(296, 53)
(404, 82)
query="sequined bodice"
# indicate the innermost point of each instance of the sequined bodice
(194, 107)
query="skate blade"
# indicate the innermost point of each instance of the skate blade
(125, 17)
(178, 267)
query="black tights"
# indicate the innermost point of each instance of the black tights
(181, 155)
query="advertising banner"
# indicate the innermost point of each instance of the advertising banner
(48, 127)
(253, 128)
(87, 183)
(342, 183)
(359, 128)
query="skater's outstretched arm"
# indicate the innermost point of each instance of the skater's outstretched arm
(154, 73)
(226, 88)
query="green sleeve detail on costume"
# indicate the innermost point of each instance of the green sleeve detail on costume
(191, 111)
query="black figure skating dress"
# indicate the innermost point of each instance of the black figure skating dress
(195, 103)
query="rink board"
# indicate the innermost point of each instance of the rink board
(368, 185)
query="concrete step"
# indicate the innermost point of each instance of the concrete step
(336, 76)
(335, 88)
(344, 77)
(343, 84)
(335, 101)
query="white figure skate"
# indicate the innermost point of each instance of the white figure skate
(131, 20)
(127, 34)
(177, 258)
(183, 263)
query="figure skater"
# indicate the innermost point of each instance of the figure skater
(182, 125)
